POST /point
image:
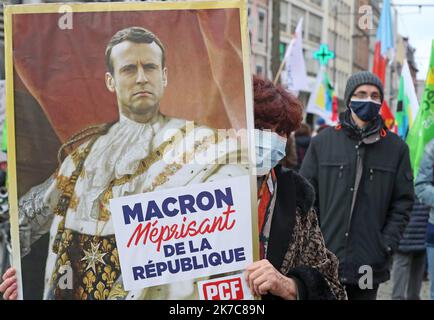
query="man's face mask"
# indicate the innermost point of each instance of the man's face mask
(270, 149)
(366, 109)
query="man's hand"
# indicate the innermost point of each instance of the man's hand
(263, 278)
(9, 285)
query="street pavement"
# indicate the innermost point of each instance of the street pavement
(385, 291)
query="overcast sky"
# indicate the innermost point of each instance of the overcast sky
(418, 25)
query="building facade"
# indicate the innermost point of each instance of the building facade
(367, 14)
(312, 12)
(259, 32)
(339, 30)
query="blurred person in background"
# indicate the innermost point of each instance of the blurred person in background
(425, 192)
(321, 125)
(302, 141)
(409, 261)
(290, 160)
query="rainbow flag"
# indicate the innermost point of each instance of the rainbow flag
(323, 101)
(408, 105)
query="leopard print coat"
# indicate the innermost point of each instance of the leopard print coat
(301, 253)
(308, 250)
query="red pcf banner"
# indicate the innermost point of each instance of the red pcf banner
(227, 288)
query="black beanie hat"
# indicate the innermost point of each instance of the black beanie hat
(361, 78)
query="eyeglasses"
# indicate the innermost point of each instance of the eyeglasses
(364, 95)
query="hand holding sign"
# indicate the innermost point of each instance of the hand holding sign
(263, 278)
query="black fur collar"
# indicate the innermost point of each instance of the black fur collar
(305, 193)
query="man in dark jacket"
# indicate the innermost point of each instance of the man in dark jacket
(363, 180)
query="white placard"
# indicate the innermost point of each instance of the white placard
(183, 233)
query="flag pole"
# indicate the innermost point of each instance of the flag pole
(279, 71)
(288, 49)
(282, 64)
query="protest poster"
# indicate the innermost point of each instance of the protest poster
(112, 100)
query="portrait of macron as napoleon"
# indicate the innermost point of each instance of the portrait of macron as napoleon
(97, 108)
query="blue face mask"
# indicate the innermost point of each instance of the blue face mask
(270, 149)
(366, 110)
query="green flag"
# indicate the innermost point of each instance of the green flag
(422, 130)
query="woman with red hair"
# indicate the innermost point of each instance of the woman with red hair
(295, 264)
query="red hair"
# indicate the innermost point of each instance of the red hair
(275, 108)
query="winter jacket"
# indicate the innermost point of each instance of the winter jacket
(302, 144)
(296, 246)
(424, 182)
(364, 185)
(413, 239)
